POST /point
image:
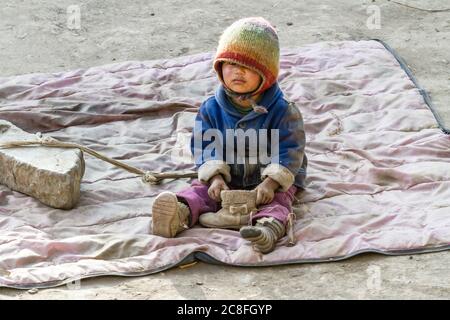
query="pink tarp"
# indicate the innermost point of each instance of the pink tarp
(378, 175)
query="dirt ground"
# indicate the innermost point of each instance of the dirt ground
(35, 37)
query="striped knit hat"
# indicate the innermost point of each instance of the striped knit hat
(253, 43)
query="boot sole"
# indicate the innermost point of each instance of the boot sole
(164, 212)
(250, 232)
(233, 227)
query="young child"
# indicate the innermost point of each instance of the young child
(248, 98)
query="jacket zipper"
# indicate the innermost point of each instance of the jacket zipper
(245, 167)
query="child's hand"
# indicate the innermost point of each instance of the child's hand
(217, 185)
(265, 191)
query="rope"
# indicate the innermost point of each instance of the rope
(147, 176)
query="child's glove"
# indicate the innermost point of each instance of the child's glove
(216, 186)
(265, 191)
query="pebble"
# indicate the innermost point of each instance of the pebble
(22, 36)
(33, 291)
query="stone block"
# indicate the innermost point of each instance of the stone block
(51, 175)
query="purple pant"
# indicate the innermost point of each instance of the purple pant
(197, 198)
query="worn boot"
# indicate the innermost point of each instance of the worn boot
(237, 206)
(265, 234)
(169, 216)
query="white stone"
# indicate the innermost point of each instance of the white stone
(51, 175)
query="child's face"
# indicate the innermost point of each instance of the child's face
(240, 79)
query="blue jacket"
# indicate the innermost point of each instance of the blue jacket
(217, 112)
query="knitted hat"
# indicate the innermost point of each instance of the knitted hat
(253, 43)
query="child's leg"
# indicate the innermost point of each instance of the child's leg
(279, 208)
(197, 198)
(270, 222)
(172, 213)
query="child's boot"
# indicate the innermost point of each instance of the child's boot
(237, 206)
(265, 234)
(169, 216)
